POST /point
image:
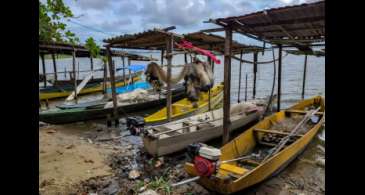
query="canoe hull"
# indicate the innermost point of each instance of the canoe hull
(215, 101)
(82, 114)
(266, 169)
(90, 88)
(160, 147)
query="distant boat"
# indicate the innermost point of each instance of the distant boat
(65, 89)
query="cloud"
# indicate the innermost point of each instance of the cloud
(116, 25)
(175, 12)
(125, 16)
(93, 4)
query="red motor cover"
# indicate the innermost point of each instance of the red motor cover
(203, 166)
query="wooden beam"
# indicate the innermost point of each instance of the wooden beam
(44, 70)
(279, 78)
(112, 81)
(105, 76)
(74, 73)
(169, 48)
(227, 85)
(239, 79)
(91, 65)
(162, 54)
(278, 132)
(254, 74)
(185, 58)
(213, 30)
(123, 63)
(304, 75)
(54, 66)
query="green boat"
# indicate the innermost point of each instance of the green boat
(63, 116)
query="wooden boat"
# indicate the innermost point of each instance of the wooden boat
(241, 162)
(53, 92)
(174, 136)
(62, 116)
(123, 89)
(184, 108)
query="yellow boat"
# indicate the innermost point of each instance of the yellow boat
(184, 107)
(249, 158)
(59, 92)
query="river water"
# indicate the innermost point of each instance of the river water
(292, 74)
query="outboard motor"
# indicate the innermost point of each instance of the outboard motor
(205, 158)
(135, 125)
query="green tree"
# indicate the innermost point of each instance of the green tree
(51, 25)
(93, 48)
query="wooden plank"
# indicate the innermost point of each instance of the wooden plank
(227, 85)
(80, 87)
(302, 111)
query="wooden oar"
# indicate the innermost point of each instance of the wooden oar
(80, 86)
(293, 132)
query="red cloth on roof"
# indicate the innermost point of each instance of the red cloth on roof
(189, 45)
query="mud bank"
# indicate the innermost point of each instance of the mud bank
(86, 158)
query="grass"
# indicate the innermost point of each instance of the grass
(157, 184)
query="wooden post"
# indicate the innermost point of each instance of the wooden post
(129, 71)
(239, 78)
(169, 48)
(124, 79)
(304, 75)
(74, 73)
(44, 70)
(246, 88)
(254, 74)
(213, 67)
(91, 65)
(279, 76)
(227, 85)
(186, 58)
(162, 53)
(112, 81)
(54, 66)
(105, 78)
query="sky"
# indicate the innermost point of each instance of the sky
(102, 19)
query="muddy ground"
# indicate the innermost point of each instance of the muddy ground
(86, 158)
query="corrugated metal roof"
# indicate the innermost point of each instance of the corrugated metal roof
(299, 22)
(216, 43)
(81, 51)
(150, 39)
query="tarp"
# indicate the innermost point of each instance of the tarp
(134, 67)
